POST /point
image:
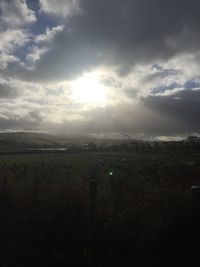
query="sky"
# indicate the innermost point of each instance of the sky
(100, 68)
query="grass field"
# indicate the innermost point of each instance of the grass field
(97, 209)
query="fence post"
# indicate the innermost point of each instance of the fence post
(92, 255)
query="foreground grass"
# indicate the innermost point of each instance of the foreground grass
(143, 214)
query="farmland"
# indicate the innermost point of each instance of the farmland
(97, 209)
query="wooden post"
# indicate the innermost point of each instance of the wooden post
(112, 194)
(92, 257)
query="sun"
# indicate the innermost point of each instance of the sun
(89, 89)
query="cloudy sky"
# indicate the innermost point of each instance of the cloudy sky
(100, 67)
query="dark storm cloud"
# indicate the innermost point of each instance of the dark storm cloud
(7, 91)
(121, 33)
(31, 121)
(125, 32)
(183, 107)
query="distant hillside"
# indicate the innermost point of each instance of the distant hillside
(24, 140)
(20, 141)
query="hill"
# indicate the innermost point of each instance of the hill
(27, 140)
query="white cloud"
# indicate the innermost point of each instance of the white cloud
(16, 13)
(36, 53)
(62, 8)
(10, 41)
(42, 43)
(49, 35)
(5, 59)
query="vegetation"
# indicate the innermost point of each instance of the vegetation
(142, 218)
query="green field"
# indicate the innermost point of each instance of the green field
(141, 200)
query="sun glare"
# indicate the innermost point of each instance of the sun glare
(88, 89)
